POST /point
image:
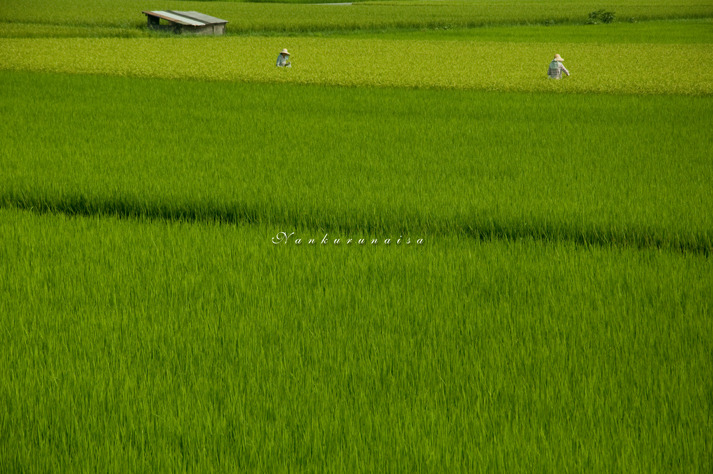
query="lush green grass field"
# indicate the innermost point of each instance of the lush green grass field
(650, 32)
(301, 18)
(655, 31)
(594, 168)
(153, 346)
(558, 316)
(500, 66)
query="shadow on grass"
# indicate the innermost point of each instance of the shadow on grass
(481, 227)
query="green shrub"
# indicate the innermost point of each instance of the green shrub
(607, 17)
(600, 16)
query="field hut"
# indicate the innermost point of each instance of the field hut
(185, 22)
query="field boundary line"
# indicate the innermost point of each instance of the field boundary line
(480, 227)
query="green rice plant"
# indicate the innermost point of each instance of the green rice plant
(586, 168)
(556, 318)
(167, 346)
(34, 30)
(299, 18)
(145, 320)
(663, 31)
(491, 66)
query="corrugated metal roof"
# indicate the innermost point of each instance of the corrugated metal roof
(207, 19)
(186, 18)
(175, 18)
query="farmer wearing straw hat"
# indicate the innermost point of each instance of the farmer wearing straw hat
(283, 59)
(556, 68)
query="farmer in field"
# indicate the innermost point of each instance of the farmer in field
(556, 68)
(283, 60)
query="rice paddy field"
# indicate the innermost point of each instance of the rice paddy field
(410, 252)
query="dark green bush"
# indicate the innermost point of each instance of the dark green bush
(607, 17)
(600, 15)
